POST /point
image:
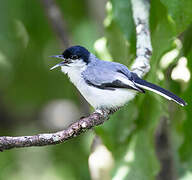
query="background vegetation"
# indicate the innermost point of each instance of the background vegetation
(149, 138)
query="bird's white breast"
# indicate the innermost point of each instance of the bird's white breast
(98, 98)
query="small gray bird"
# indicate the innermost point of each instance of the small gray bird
(104, 84)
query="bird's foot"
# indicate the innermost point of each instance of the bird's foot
(102, 111)
(113, 110)
(107, 111)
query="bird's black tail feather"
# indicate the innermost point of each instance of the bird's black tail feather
(159, 90)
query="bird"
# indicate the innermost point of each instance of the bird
(104, 84)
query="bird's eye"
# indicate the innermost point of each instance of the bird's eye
(74, 57)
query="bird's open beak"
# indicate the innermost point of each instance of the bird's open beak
(59, 64)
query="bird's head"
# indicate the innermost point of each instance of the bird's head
(73, 57)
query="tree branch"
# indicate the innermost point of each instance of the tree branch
(140, 9)
(141, 67)
(73, 130)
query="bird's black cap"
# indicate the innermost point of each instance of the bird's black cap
(77, 52)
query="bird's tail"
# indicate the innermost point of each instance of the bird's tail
(159, 90)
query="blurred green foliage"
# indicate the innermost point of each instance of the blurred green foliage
(168, 21)
(26, 86)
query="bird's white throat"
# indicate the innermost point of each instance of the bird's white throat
(74, 70)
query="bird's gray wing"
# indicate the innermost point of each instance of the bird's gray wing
(108, 78)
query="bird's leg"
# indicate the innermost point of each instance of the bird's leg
(102, 111)
(113, 110)
(107, 110)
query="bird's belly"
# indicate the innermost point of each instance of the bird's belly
(102, 98)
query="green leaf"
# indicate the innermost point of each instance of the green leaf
(117, 131)
(162, 33)
(140, 161)
(119, 47)
(122, 12)
(179, 12)
(122, 15)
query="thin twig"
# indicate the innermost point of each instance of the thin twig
(141, 67)
(56, 20)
